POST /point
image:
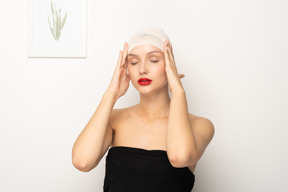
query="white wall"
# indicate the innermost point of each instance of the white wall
(234, 56)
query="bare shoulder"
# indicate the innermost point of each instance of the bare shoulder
(118, 115)
(202, 126)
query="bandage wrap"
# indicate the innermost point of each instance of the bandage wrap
(152, 36)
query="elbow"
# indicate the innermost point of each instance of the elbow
(81, 165)
(177, 161)
(184, 161)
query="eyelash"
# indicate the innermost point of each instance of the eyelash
(151, 61)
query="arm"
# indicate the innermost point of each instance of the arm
(186, 140)
(87, 149)
(88, 146)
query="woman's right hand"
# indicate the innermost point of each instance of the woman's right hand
(120, 80)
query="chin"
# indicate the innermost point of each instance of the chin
(144, 89)
(149, 90)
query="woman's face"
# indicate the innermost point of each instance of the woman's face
(147, 61)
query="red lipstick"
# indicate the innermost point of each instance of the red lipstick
(144, 81)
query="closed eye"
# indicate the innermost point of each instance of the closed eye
(151, 61)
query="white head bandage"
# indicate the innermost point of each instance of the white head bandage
(152, 36)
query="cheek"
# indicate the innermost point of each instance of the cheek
(131, 72)
(129, 69)
(160, 69)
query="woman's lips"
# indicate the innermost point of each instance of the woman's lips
(144, 81)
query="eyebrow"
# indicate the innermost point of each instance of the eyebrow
(130, 54)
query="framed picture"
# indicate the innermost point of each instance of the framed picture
(56, 28)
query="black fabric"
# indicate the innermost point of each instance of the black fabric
(130, 169)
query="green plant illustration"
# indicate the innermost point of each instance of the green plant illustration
(58, 22)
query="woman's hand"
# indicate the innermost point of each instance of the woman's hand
(120, 80)
(171, 70)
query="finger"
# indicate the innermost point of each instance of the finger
(166, 56)
(125, 52)
(167, 49)
(126, 68)
(181, 75)
(164, 45)
(171, 50)
(119, 60)
(171, 54)
(172, 63)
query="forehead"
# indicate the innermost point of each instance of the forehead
(149, 53)
(145, 50)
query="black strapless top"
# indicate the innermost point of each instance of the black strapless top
(130, 169)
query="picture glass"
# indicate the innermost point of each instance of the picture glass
(57, 28)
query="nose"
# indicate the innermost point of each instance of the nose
(143, 68)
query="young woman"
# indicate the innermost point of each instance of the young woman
(156, 144)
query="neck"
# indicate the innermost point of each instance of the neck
(155, 105)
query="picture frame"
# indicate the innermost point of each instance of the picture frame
(57, 28)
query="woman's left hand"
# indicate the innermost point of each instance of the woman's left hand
(171, 70)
